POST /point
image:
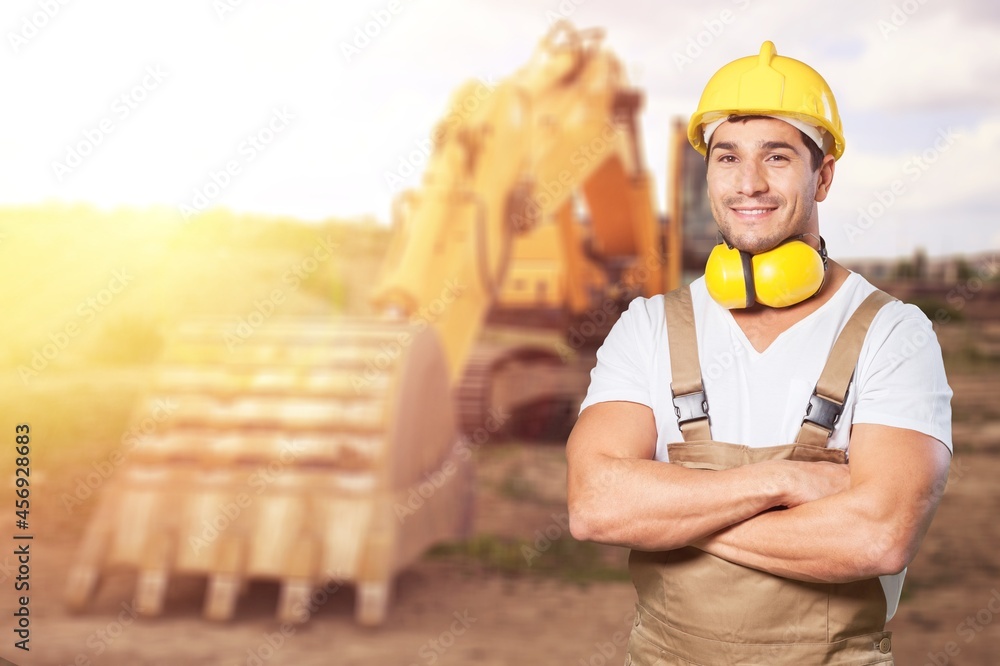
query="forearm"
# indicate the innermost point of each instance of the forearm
(845, 537)
(872, 528)
(651, 505)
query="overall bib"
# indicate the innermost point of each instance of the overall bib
(697, 609)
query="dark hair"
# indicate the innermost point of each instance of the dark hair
(816, 153)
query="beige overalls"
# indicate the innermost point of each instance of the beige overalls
(695, 608)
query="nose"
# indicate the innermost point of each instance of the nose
(751, 178)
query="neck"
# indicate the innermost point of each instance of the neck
(762, 324)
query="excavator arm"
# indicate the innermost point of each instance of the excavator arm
(560, 132)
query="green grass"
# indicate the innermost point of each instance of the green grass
(515, 487)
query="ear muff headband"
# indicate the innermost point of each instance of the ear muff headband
(786, 275)
(748, 280)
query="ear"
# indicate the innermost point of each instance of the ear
(824, 177)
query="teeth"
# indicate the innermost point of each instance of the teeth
(756, 211)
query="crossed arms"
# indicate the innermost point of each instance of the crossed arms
(842, 523)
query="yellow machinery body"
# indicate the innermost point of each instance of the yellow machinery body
(333, 450)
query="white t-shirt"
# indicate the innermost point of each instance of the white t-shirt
(759, 399)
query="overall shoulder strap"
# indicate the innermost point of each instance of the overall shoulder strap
(690, 403)
(827, 400)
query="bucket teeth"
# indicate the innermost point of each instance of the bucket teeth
(295, 594)
(80, 586)
(373, 603)
(283, 457)
(220, 598)
(150, 592)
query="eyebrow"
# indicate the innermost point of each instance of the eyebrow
(775, 145)
(766, 145)
(725, 145)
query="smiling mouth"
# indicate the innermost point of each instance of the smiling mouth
(753, 212)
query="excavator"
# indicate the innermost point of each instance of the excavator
(340, 451)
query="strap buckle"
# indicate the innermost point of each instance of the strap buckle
(690, 407)
(823, 412)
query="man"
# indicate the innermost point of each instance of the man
(715, 436)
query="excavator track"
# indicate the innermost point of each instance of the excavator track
(474, 394)
(521, 389)
(301, 454)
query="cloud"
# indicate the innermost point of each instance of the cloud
(932, 194)
(927, 60)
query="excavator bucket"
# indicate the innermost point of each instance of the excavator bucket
(292, 455)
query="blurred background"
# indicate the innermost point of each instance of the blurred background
(208, 208)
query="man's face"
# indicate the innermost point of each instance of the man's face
(761, 184)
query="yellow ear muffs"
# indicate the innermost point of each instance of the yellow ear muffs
(729, 277)
(786, 275)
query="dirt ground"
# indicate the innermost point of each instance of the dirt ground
(464, 607)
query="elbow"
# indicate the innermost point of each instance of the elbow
(580, 528)
(583, 524)
(601, 524)
(889, 554)
(592, 522)
(893, 560)
(587, 511)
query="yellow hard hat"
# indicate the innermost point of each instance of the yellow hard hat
(768, 85)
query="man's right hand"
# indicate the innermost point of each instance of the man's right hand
(809, 481)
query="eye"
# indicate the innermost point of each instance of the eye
(727, 159)
(778, 158)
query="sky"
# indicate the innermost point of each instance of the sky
(292, 109)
